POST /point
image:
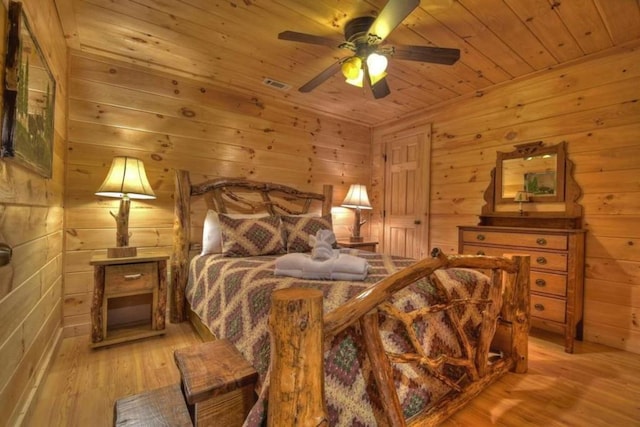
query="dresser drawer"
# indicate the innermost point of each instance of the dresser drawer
(545, 260)
(548, 308)
(542, 241)
(548, 283)
(130, 278)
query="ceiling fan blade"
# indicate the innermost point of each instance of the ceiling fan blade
(437, 55)
(309, 38)
(380, 89)
(391, 16)
(322, 77)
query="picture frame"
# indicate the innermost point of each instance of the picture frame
(28, 98)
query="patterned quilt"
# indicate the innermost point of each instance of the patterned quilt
(232, 297)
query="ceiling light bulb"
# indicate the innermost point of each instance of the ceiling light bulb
(351, 68)
(376, 64)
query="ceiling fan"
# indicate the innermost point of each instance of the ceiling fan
(364, 37)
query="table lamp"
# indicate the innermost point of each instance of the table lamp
(521, 197)
(357, 199)
(126, 180)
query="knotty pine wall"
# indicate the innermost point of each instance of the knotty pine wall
(173, 123)
(594, 105)
(31, 218)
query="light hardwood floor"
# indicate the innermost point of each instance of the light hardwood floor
(595, 386)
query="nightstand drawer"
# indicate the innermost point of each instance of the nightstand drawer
(548, 308)
(123, 279)
(548, 283)
(545, 260)
(541, 241)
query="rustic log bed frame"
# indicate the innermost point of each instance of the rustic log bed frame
(297, 315)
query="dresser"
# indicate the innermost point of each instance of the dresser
(557, 270)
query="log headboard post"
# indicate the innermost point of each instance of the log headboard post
(181, 238)
(327, 191)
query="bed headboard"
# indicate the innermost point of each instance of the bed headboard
(229, 195)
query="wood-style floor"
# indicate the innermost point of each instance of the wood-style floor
(595, 386)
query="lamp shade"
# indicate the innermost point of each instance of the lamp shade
(357, 197)
(521, 196)
(377, 64)
(126, 178)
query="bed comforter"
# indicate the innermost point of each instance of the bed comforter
(232, 297)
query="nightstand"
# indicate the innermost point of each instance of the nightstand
(366, 245)
(132, 281)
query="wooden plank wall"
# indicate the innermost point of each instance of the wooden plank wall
(31, 222)
(594, 105)
(174, 123)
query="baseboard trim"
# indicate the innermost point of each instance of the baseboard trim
(31, 395)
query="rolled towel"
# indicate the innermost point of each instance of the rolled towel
(342, 267)
(322, 244)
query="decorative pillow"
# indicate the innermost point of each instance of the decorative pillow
(251, 236)
(212, 234)
(298, 229)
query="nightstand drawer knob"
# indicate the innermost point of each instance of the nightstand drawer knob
(541, 282)
(539, 307)
(480, 237)
(132, 276)
(541, 241)
(480, 253)
(541, 260)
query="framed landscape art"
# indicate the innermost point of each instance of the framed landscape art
(28, 98)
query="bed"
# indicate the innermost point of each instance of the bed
(408, 345)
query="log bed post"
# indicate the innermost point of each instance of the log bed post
(516, 310)
(181, 238)
(296, 390)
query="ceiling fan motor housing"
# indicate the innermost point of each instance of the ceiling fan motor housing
(357, 30)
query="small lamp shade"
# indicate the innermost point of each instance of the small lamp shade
(521, 196)
(126, 178)
(357, 199)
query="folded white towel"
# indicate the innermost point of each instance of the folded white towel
(322, 244)
(340, 267)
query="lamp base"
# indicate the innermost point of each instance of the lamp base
(356, 239)
(122, 252)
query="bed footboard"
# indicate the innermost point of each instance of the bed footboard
(299, 330)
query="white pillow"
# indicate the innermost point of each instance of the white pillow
(212, 234)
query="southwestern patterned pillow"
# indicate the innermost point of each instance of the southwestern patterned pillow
(298, 229)
(251, 237)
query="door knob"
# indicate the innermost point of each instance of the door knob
(417, 222)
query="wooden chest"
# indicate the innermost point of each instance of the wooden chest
(557, 270)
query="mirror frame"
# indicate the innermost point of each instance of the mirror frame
(530, 149)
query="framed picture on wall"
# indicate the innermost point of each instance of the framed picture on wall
(28, 98)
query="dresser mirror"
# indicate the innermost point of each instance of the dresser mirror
(542, 177)
(533, 168)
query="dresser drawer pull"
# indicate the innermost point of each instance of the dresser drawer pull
(480, 253)
(541, 282)
(132, 276)
(480, 237)
(539, 307)
(541, 260)
(541, 241)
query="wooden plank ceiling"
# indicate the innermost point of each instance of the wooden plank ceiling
(234, 43)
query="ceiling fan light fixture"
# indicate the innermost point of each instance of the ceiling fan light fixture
(358, 80)
(351, 68)
(377, 64)
(375, 79)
